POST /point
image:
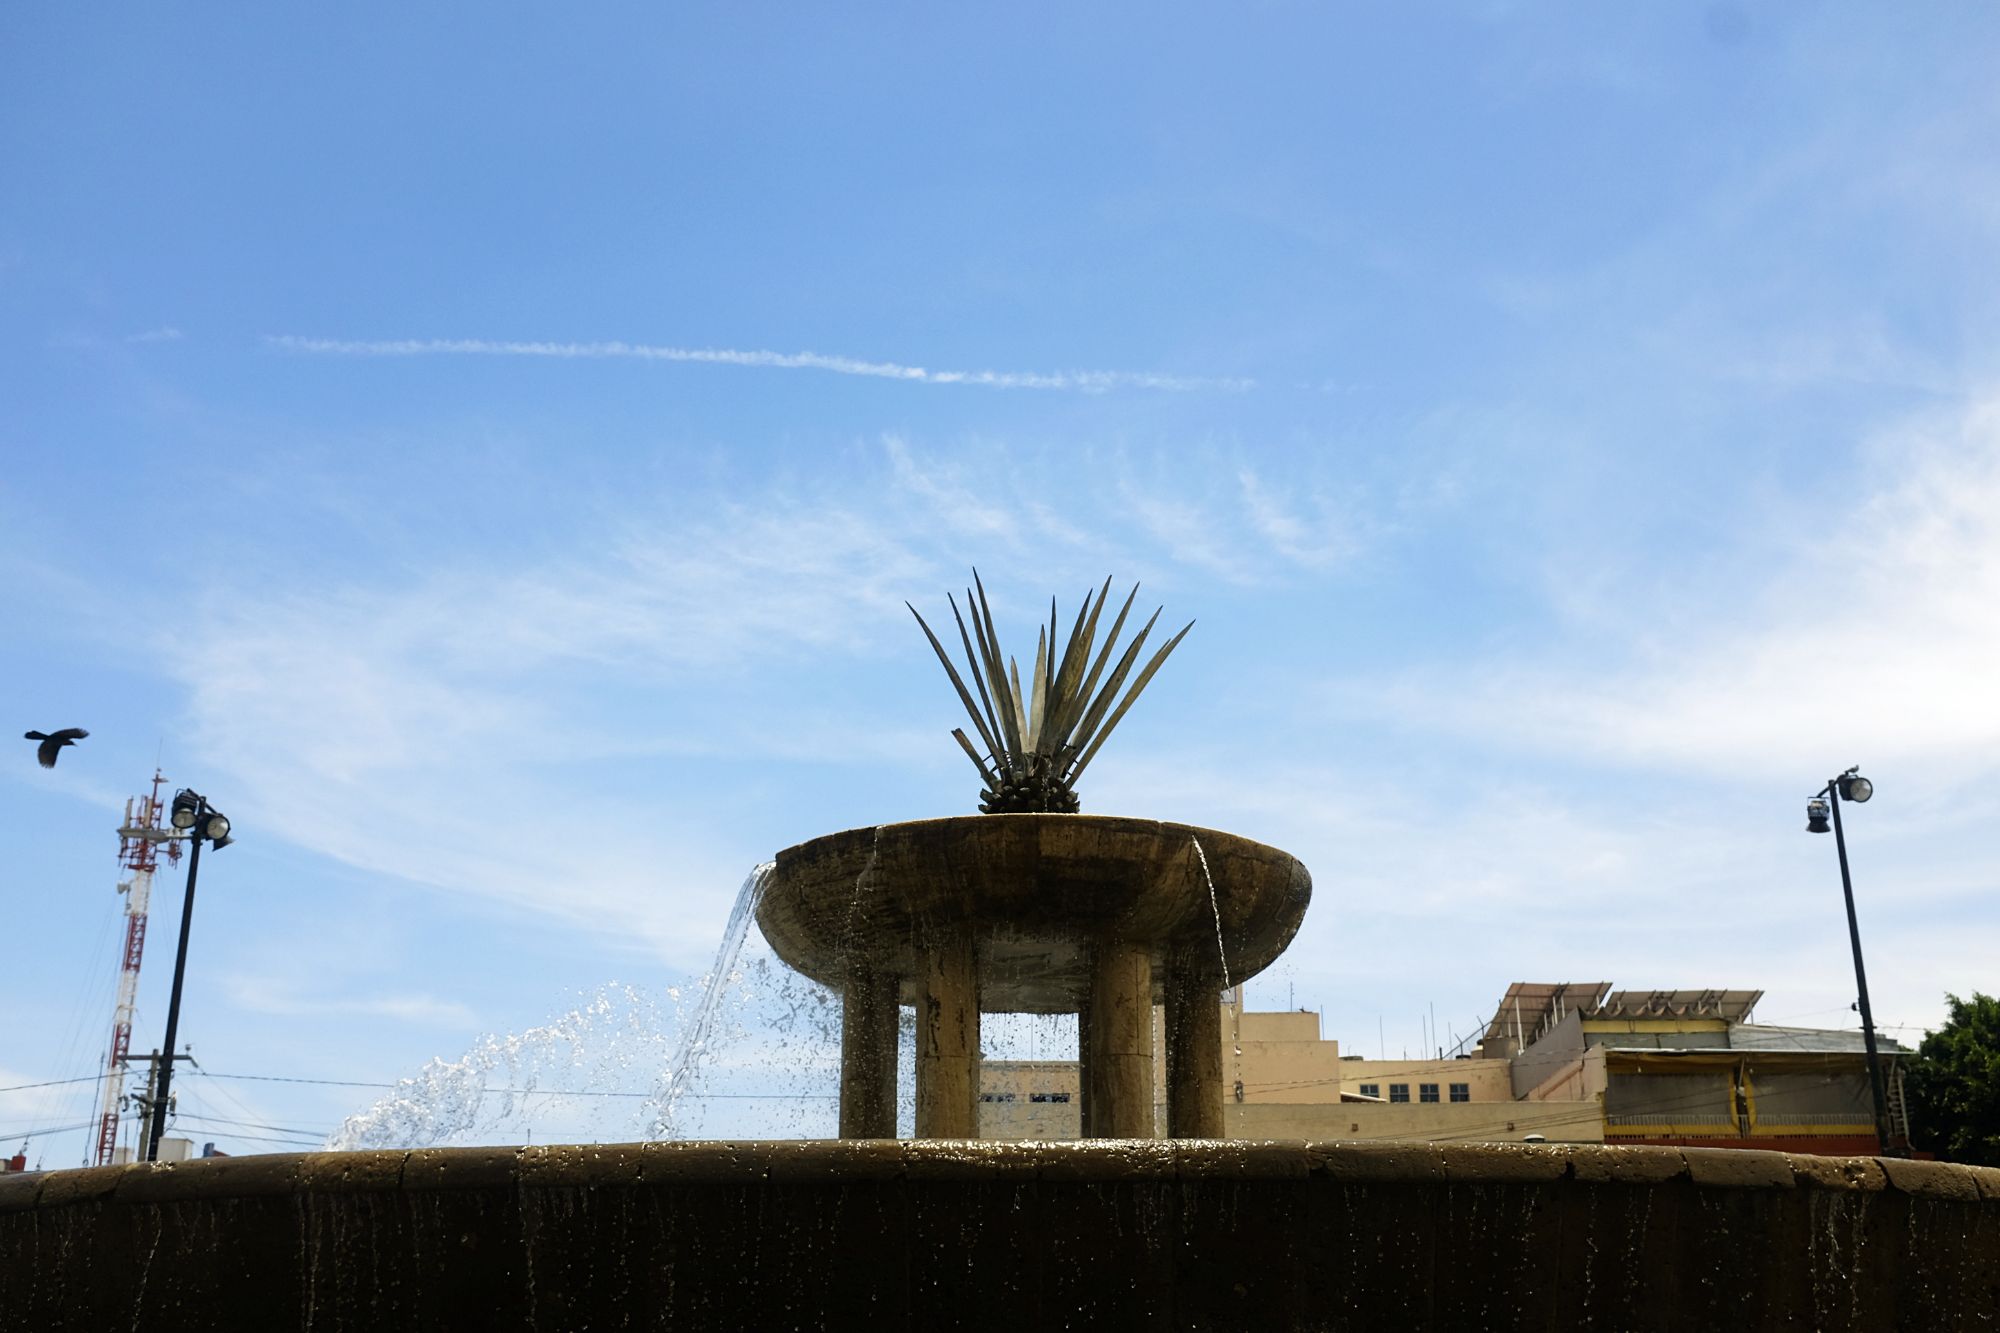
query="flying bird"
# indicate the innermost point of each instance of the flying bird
(51, 746)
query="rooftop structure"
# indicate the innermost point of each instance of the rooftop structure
(1667, 1068)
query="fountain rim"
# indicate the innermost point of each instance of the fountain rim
(1124, 876)
(1133, 822)
(664, 1162)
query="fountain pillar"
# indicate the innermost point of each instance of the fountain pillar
(1120, 1062)
(948, 1039)
(868, 1054)
(1194, 1052)
(1083, 1070)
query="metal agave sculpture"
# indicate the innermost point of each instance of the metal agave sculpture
(1038, 740)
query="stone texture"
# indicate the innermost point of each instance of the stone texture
(1033, 891)
(948, 1038)
(1194, 1049)
(942, 1235)
(868, 1017)
(1120, 1095)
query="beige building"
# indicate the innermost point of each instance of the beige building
(1029, 1100)
(1573, 1062)
(1283, 1079)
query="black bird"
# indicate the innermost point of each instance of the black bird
(51, 746)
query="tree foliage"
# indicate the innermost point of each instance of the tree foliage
(1954, 1084)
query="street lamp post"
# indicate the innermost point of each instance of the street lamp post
(196, 819)
(1851, 786)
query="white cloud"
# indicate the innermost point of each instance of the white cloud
(1320, 539)
(164, 334)
(1083, 381)
(1879, 638)
(271, 996)
(672, 635)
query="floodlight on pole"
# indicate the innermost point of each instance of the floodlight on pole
(1851, 786)
(199, 822)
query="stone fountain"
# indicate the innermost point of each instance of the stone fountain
(1030, 907)
(1033, 913)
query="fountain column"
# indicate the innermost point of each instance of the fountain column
(1120, 1060)
(1083, 1070)
(948, 1038)
(868, 1054)
(1194, 1052)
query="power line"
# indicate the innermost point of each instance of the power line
(524, 1092)
(275, 1078)
(54, 1082)
(12, 1134)
(292, 1130)
(265, 1138)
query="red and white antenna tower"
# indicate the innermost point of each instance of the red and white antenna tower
(141, 838)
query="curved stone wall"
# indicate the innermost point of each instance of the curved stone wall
(1032, 890)
(936, 1235)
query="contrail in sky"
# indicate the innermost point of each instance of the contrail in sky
(1083, 381)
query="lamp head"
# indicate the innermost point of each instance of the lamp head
(1816, 816)
(216, 830)
(1854, 787)
(186, 805)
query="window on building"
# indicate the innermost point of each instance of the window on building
(996, 1096)
(1461, 1092)
(1399, 1092)
(1427, 1092)
(1371, 1089)
(1048, 1096)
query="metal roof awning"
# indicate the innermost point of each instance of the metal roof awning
(1730, 1005)
(1533, 1006)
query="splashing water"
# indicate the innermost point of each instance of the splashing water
(695, 1034)
(748, 1050)
(559, 1078)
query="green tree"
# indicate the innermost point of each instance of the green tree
(1954, 1084)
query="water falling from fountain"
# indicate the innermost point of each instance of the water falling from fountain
(1215, 908)
(695, 1034)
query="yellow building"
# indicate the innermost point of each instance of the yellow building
(1282, 1079)
(1572, 1062)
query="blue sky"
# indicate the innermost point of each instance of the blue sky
(487, 450)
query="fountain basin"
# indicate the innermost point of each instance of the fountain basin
(969, 1235)
(1094, 915)
(1034, 891)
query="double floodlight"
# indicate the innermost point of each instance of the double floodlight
(192, 815)
(1849, 786)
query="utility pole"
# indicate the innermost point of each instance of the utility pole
(145, 1100)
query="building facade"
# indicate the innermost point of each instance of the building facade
(1570, 1062)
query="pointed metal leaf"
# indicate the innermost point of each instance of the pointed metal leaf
(1039, 695)
(1086, 732)
(991, 731)
(964, 696)
(1130, 695)
(958, 734)
(1069, 678)
(997, 677)
(1089, 686)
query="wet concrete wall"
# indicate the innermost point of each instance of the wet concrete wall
(1108, 1235)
